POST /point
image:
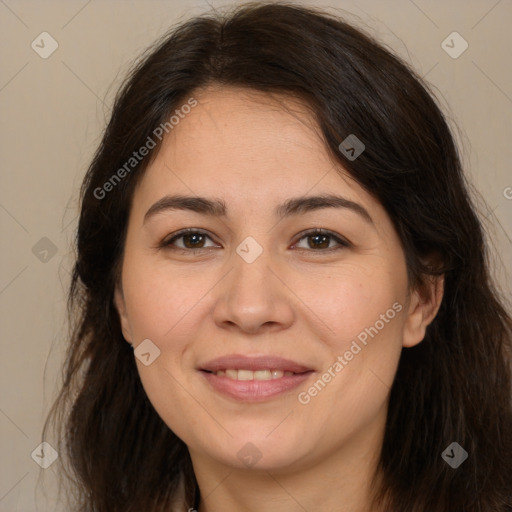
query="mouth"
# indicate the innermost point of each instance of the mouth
(254, 379)
(239, 374)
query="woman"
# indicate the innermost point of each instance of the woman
(282, 286)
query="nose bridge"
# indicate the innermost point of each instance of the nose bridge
(251, 276)
(252, 295)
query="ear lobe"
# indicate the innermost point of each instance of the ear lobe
(423, 307)
(123, 316)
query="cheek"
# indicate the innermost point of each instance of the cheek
(333, 307)
(159, 302)
(365, 311)
(163, 303)
(163, 308)
(359, 297)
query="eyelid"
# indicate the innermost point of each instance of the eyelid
(342, 242)
(167, 241)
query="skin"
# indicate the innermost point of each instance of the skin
(295, 301)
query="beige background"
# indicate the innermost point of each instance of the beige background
(53, 112)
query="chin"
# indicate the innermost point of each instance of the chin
(259, 452)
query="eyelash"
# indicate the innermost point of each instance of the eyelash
(167, 243)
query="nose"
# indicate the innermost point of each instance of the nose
(254, 297)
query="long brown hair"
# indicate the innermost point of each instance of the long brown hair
(455, 386)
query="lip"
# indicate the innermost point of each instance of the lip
(238, 361)
(254, 390)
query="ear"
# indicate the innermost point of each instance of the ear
(424, 304)
(123, 316)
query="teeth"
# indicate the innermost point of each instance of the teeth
(245, 375)
(262, 375)
(250, 375)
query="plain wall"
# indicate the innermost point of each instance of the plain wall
(54, 111)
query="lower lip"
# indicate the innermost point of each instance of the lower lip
(255, 390)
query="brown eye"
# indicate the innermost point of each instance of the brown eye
(321, 239)
(318, 240)
(191, 239)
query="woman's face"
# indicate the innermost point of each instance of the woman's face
(304, 330)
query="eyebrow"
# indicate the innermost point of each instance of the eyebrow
(294, 206)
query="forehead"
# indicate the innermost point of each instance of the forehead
(234, 125)
(250, 147)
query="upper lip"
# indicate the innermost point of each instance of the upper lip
(254, 363)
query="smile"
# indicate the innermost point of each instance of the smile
(253, 378)
(253, 375)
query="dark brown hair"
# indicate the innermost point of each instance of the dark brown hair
(454, 386)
